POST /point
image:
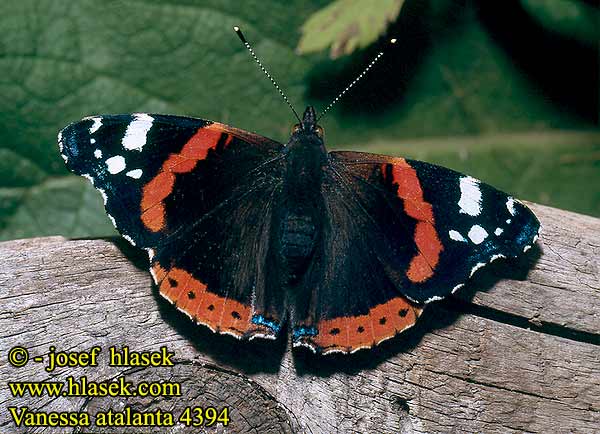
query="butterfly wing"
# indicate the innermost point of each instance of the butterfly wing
(399, 234)
(183, 189)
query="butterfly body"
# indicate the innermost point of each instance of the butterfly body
(300, 199)
(244, 233)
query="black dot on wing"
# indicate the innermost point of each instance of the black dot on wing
(360, 329)
(172, 282)
(334, 331)
(235, 315)
(402, 312)
(382, 320)
(211, 307)
(191, 295)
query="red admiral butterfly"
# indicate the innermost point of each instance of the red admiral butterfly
(242, 230)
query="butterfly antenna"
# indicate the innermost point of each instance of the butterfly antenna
(269, 76)
(356, 80)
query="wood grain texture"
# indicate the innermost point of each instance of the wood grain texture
(517, 351)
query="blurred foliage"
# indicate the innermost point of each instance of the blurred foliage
(477, 86)
(346, 25)
(572, 18)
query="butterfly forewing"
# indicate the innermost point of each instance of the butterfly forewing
(456, 224)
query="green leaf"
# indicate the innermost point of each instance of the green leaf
(347, 25)
(63, 205)
(572, 18)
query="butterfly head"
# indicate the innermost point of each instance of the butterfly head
(309, 117)
(308, 127)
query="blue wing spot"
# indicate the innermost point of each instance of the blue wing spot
(302, 331)
(261, 320)
(527, 234)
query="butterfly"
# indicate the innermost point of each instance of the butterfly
(245, 233)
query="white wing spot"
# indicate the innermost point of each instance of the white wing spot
(92, 141)
(477, 234)
(128, 238)
(470, 196)
(510, 205)
(508, 221)
(104, 196)
(115, 164)
(135, 174)
(112, 219)
(456, 236)
(98, 153)
(477, 267)
(153, 276)
(434, 298)
(457, 287)
(150, 254)
(96, 125)
(137, 130)
(498, 231)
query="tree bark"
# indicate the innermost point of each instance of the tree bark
(517, 350)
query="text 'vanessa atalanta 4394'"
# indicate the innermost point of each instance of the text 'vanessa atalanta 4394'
(242, 230)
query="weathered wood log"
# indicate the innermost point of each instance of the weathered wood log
(518, 350)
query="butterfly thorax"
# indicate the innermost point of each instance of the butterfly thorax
(299, 224)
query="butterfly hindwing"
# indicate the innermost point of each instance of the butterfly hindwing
(350, 269)
(192, 193)
(218, 276)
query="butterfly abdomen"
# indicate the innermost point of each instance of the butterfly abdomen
(298, 233)
(299, 221)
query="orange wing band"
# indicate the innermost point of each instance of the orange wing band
(423, 264)
(348, 334)
(220, 314)
(161, 186)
